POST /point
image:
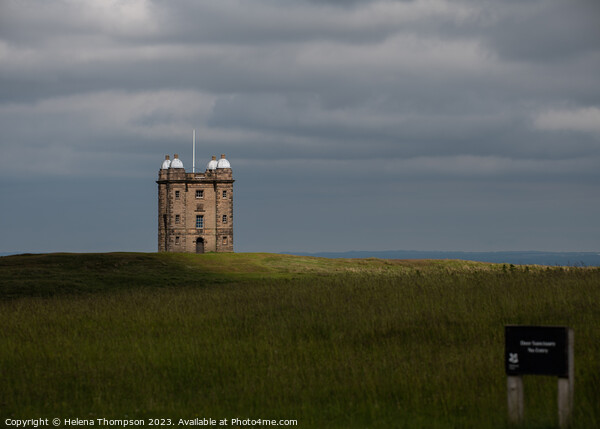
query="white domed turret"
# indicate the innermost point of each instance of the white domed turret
(166, 163)
(212, 164)
(223, 163)
(176, 163)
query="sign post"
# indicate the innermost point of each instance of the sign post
(514, 385)
(566, 387)
(539, 350)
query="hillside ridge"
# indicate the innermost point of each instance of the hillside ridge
(74, 273)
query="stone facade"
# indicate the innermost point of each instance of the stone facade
(195, 210)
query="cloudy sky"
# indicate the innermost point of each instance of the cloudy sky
(368, 125)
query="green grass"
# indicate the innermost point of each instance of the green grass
(331, 343)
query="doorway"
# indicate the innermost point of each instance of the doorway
(199, 245)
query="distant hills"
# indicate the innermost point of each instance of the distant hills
(590, 259)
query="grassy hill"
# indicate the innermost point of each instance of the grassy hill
(330, 343)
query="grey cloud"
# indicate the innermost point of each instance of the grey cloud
(424, 107)
(542, 30)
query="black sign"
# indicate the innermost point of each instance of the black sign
(541, 350)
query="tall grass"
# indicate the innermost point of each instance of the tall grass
(331, 344)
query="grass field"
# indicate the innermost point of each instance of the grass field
(331, 343)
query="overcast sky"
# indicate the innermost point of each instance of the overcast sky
(349, 125)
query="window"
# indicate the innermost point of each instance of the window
(224, 194)
(199, 193)
(224, 218)
(224, 239)
(177, 218)
(176, 195)
(176, 240)
(199, 221)
(199, 207)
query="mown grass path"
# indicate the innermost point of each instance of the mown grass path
(331, 343)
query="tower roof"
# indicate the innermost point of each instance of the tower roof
(223, 163)
(212, 164)
(176, 163)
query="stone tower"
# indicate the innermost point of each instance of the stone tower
(195, 210)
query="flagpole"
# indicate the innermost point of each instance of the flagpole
(194, 151)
